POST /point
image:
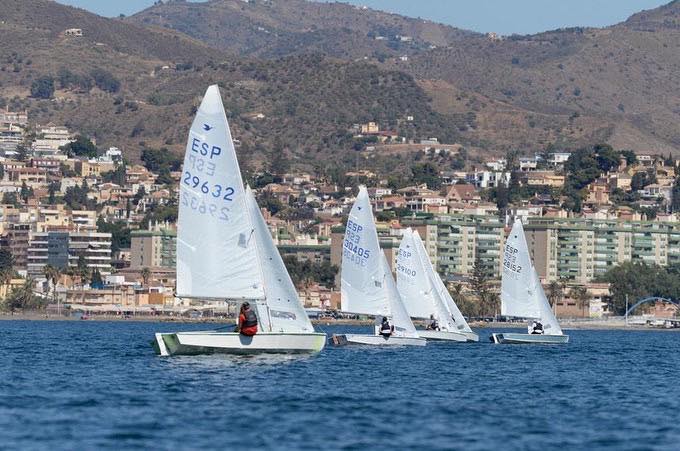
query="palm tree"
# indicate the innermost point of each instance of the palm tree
(146, 274)
(555, 293)
(53, 274)
(581, 296)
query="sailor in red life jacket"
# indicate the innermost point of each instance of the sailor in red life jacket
(247, 320)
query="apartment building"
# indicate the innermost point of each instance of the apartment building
(461, 239)
(64, 248)
(580, 249)
(153, 248)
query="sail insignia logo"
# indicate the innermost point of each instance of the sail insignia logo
(207, 127)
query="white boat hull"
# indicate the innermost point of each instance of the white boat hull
(376, 340)
(513, 338)
(442, 335)
(213, 342)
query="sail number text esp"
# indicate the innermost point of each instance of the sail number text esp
(510, 259)
(351, 249)
(197, 175)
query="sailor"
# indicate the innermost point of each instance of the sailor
(434, 324)
(536, 328)
(386, 329)
(247, 320)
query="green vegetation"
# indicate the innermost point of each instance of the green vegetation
(639, 280)
(306, 272)
(76, 197)
(6, 265)
(81, 147)
(70, 80)
(120, 233)
(105, 80)
(24, 298)
(42, 87)
(160, 160)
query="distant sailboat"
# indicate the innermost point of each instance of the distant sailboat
(522, 295)
(367, 284)
(424, 294)
(225, 251)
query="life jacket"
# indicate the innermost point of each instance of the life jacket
(385, 327)
(251, 319)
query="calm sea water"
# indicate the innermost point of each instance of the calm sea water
(84, 385)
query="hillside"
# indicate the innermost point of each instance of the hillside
(273, 29)
(308, 102)
(566, 87)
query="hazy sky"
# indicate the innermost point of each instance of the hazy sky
(501, 16)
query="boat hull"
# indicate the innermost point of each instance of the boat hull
(471, 336)
(376, 340)
(513, 338)
(442, 335)
(212, 342)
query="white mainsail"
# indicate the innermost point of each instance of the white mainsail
(216, 255)
(283, 311)
(422, 290)
(367, 286)
(521, 292)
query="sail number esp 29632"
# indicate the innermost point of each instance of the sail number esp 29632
(351, 249)
(201, 193)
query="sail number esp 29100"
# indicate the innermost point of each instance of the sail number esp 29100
(197, 177)
(351, 249)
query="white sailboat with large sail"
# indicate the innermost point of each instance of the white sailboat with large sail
(425, 295)
(225, 251)
(367, 284)
(522, 295)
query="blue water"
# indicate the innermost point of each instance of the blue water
(87, 384)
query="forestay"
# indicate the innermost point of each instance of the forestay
(283, 310)
(216, 255)
(362, 275)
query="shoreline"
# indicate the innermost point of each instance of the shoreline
(567, 324)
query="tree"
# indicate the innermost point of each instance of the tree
(22, 152)
(10, 199)
(52, 274)
(105, 80)
(25, 192)
(6, 265)
(52, 189)
(581, 296)
(96, 279)
(81, 270)
(2, 172)
(82, 146)
(426, 173)
(479, 281)
(675, 203)
(24, 298)
(555, 293)
(146, 274)
(42, 87)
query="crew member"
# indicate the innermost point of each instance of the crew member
(536, 328)
(386, 329)
(247, 320)
(434, 324)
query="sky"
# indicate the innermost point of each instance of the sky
(501, 16)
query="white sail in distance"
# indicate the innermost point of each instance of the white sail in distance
(521, 292)
(216, 253)
(367, 285)
(282, 310)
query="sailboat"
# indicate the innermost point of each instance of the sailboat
(522, 295)
(225, 251)
(367, 284)
(425, 295)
